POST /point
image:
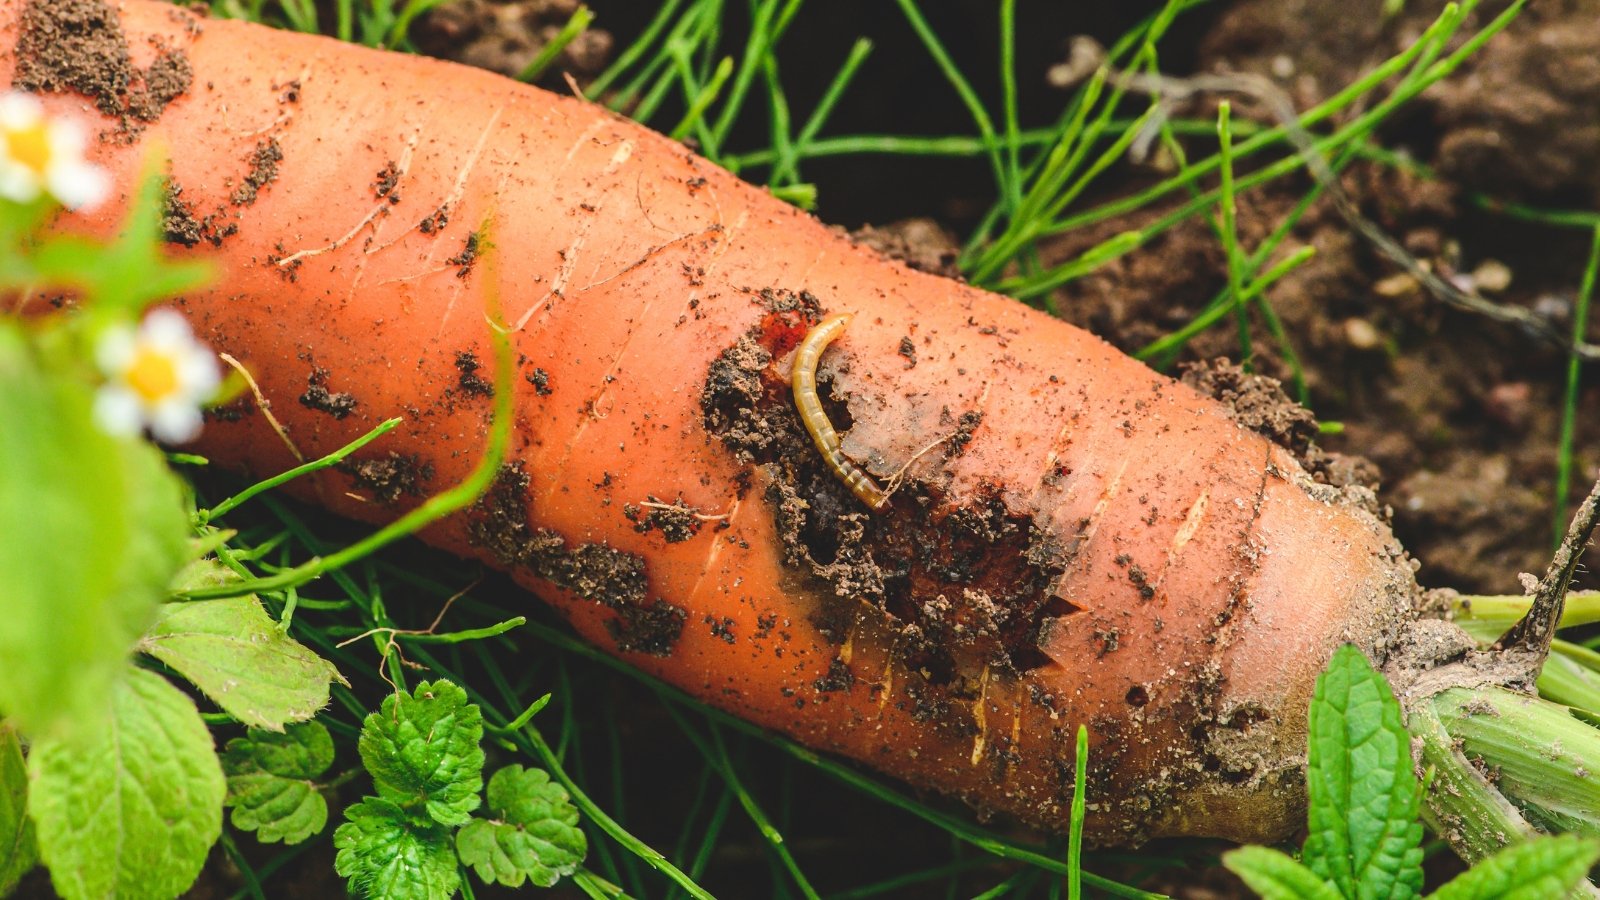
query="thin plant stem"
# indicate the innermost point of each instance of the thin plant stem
(1569, 408)
(1228, 211)
(1080, 769)
(607, 824)
(630, 54)
(963, 89)
(786, 164)
(703, 99)
(576, 25)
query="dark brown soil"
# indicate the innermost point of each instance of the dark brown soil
(498, 522)
(675, 522)
(183, 224)
(390, 476)
(467, 258)
(78, 45)
(318, 397)
(470, 381)
(263, 169)
(963, 587)
(919, 243)
(1459, 416)
(1516, 120)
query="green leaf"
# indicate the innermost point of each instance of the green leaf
(203, 571)
(423, 751)
(534, 835)
(129, 808)
(18, 852)
(1365, 837)
(1277, 876)
(271, 782)
(233, 651)
(94, 529)
(1537, 869)
(386, 853)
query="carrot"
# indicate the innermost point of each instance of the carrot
(1074, 540)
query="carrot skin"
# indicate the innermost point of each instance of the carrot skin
(1191, 578)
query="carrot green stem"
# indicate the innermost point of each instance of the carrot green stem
(1569, 410)
(1461, 804)
(1540, 757)
(703, 99)
(1485, 613)
(607, 824)
(578, 24)
(1080, 769)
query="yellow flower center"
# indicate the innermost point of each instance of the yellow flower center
(30, 146)
(153, 375)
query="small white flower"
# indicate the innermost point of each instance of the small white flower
(157, 376)
(39, 154)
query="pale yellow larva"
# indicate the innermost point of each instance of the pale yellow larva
(803, 378)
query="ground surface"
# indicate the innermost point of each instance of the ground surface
(1460, 416)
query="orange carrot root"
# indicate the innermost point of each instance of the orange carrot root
(1095, 545)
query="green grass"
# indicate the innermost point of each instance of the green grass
(1569, 405)
(688, 73)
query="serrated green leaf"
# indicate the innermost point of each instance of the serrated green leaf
(303, 750)
(276, 809)
(384, 852)
(94, 529)
(204, 571)
(423, 751)
(18, 853)
(1535, 870)
(271, 782)
(131, 808)
(534, 835)
(1277, 876)
(233, 652)
(1365, 837)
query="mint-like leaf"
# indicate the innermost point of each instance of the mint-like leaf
(1540, 868)
(18, 853)
(386, 853)
(1365, 837)
(93, 528)
(422, 751)
(203, 571)
(233, 651)
(131, 807)
(1277, 876)
(533, 836)
(271, 782)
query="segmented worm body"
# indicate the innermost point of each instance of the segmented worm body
(803, 378)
